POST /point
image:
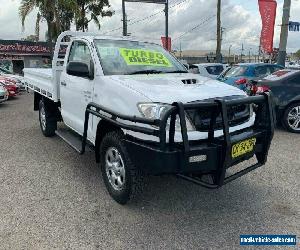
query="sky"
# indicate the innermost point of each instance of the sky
(240, 19)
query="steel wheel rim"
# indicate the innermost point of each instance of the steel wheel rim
(114, 167)
(43, 117)
(294, 118)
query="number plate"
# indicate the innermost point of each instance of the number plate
(243, 148)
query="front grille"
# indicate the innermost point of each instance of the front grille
(201, 118)
(1, 97)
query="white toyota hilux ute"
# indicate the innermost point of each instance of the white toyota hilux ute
(144, 114)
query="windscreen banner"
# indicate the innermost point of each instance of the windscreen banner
(267, 10)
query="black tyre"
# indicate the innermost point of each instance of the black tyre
(291, 118)
(122, 179)
(48, 121)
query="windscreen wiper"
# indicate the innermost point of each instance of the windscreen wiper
(176, 71)
(140, 72)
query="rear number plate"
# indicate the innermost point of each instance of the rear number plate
(243, 147)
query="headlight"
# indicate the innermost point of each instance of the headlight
(157, 111)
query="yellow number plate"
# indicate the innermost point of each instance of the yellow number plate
(243, 148)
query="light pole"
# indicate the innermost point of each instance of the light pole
(229, 50)
(250, 55)
(242, 52)
(284, 32)
(167, 23)
(219, 33)
(124, 18)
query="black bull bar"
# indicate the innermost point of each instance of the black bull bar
(215, 154)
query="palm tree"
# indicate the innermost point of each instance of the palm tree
(46, 10)
(91, 10)
(58, 14)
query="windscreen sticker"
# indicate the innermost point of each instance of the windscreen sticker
(137, 57)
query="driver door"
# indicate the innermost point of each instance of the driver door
(75, 91)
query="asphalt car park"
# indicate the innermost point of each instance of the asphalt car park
(51, 197)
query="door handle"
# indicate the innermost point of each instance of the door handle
(63, 83)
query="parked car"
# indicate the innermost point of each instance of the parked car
(3, 94)
(16, 79)
(210, 70)
(241, 74)
(285, 88)
(12, 88)
(294, 64)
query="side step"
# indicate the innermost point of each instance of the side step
(73, 139)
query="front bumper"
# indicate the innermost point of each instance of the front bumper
(3, 98)
(193, 159)
(203, 157)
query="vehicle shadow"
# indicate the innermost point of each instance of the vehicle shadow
(3, 105)
(172, 195)
(168, 208)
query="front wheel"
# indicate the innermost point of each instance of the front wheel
(122, 179)
(48, 122)
(291, 118)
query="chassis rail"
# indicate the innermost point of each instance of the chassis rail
(264, 124)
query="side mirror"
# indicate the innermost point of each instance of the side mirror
(79, 69)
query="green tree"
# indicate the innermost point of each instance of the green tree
(60, 14)
(46, 10)
(297, 54)
(91, 10)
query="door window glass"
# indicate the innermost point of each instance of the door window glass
(80, 52)
(262, 71)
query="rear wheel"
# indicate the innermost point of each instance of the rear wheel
(122, 179)
(291, 118)
(48, 121)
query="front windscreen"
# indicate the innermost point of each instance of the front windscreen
(131, 57)
(236, 71)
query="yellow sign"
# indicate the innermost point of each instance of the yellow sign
(243, 147)
(138, 57)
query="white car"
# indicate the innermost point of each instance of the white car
(3, 94)
(210, 70)
(144, 114)
(292, 65)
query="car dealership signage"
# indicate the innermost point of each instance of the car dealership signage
(12, 47)
(267, 10)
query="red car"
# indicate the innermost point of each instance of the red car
(11, 87)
